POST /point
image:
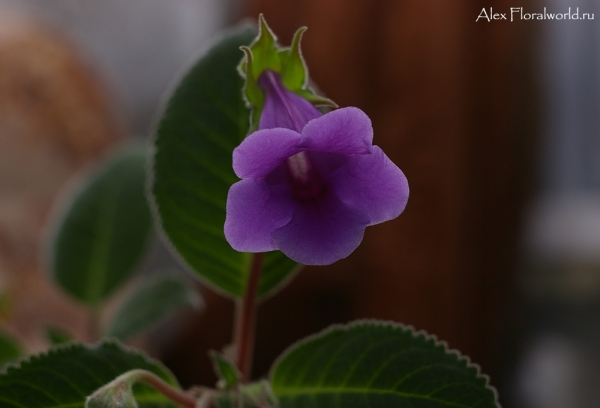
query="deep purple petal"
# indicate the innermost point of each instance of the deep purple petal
(283, 108)
(373, 184)
(321, 232)
(254, 209)
(346, 131)
(264, 150)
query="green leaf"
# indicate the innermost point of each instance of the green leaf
(375, 364)
(151, 302)
(104, 232)
(227, 372)
(10, 349)
(66, 375)
(204, 120)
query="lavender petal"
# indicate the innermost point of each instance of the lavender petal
(373, 184)
(254, 209)
(264, 150)
(321, 232)
(346, 131)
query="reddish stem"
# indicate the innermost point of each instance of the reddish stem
(246, 319)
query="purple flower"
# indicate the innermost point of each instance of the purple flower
(311, 183)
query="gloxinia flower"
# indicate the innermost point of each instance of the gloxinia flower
(311, 182)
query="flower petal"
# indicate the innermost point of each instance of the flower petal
(346, 130)
(321, 232)
(264, 150)
(254, 209)
(373, 184)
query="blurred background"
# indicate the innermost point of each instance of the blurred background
(495, 124)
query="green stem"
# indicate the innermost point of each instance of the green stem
(246, 319)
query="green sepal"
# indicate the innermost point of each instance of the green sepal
(266, 54)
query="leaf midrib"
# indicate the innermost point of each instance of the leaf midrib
(99, 258)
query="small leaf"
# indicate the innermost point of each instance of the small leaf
(375, 364)
(57, 336)
(10, 349)
(104, 232)
(227, 372)
(150, 303)
(66, 375)
(204, 120)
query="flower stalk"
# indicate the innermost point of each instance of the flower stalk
(246, 320)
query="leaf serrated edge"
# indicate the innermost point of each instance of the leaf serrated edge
(361, 323)
(109, 342)
(28, 359)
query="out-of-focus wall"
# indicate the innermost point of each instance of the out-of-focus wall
(560, 283)
(137, 46)
(76, 78)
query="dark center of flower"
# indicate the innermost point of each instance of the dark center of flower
(305, 181)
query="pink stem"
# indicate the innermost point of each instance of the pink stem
(246, 319)
(175, 395)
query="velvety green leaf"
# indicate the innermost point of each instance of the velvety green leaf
(10, 349)
(225, 370)
(104, 231)
(375, 364)
(66, 375)
(151, 302)
(204, 120)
